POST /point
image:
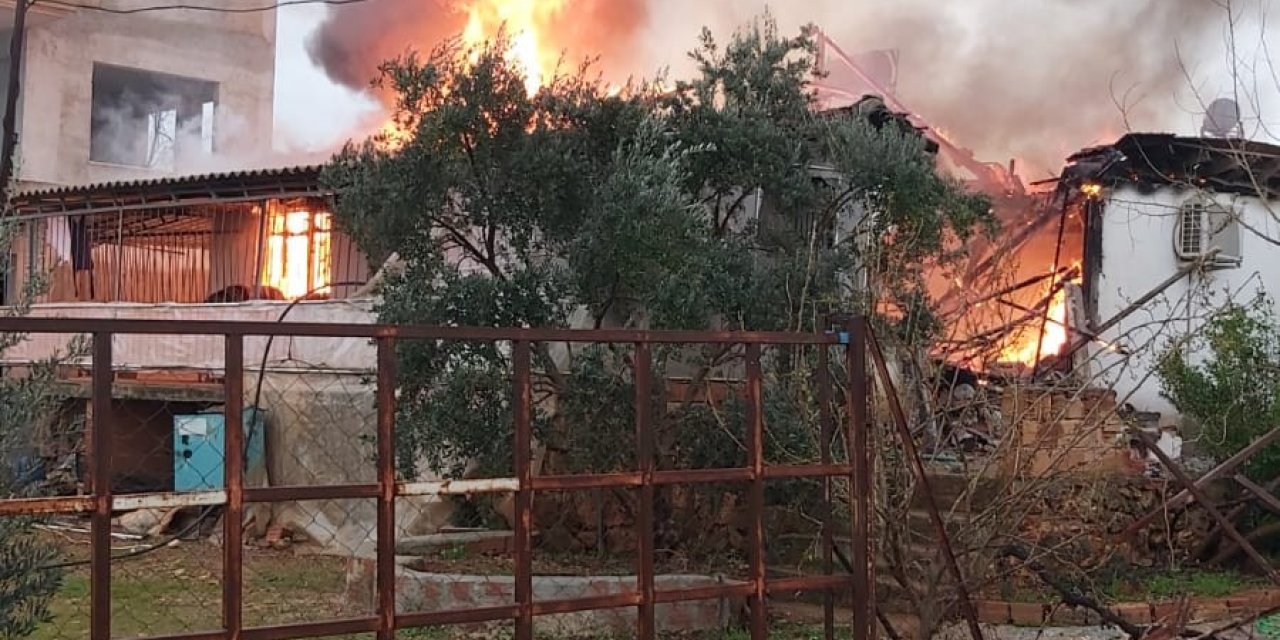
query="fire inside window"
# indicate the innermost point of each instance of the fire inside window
(298, 253)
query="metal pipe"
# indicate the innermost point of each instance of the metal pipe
(17, 44)
(119, 293)
(416, 332)
(822, 379)
(459, 487)
(166, 204)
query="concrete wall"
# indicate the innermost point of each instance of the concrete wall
(320, 430)
(236, 51)
(140, 352)
(1138, 254)
(424, 592)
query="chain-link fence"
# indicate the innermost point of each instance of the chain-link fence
(651, 493)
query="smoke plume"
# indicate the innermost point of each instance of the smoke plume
(354, 39)
(1035, 79)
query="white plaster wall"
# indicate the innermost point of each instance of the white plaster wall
(1138, 254)
(205, 353)
(237, 51)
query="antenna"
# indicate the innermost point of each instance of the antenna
(1222, 120)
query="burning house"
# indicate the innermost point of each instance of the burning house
(228, 237)
(1094, 272)
(247, 245)
(1174, 228)
(1069, 309)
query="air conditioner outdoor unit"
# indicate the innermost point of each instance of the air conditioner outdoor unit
(1206, 226)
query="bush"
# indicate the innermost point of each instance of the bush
(26, 584)
(1228, 382)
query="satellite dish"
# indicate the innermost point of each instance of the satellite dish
(1222, 120)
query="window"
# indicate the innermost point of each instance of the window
(298, 256)
(1204, 226)
(150, 120)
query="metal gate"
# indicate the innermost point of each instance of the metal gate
(842, 418)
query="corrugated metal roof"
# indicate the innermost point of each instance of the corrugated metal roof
(171, 190)
(300, 170)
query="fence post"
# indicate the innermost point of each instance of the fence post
(827, 427)
(100, 477)
(523, 392)
(644, 523)
(755, 496)
(386, 489)
(233, 480)
(864, 626)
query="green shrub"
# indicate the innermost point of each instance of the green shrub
(1228, 383)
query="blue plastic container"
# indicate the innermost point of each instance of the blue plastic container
(199, 445)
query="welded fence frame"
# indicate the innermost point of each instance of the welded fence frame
(850, 338)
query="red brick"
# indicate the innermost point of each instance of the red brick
(1209, 610)
(994, 612)
(1269, 598)
(1027, 614)
(1165, 612)
(1135, 612)
(1074, 617)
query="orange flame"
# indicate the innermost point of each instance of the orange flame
(298, 253)
(527, 23)
(1022, 347)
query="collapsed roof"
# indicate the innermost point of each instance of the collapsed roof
(1151, 160)
(877, 113)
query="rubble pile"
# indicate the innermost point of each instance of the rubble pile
(1067, 431)
(1031, 429)
(1085, 519)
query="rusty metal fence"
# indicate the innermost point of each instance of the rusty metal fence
(224, 597)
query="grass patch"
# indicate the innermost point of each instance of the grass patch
(1166, 585)
(1210, 584)
(179, 590)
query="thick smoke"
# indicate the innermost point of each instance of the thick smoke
(1035, 79)
(354, 39)
(1032, 79)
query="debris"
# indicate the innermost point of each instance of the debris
(277, 538)
(142, 521)
(81, 530)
